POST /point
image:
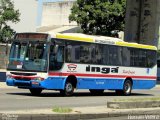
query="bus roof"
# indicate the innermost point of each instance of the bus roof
(102, 40)
(88, 38)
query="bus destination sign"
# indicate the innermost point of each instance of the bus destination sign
(33, 36)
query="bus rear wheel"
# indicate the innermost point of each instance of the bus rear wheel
(35, 91)
(96, 92)
(127, 88)
(68, 90)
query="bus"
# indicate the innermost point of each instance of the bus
(65, 62)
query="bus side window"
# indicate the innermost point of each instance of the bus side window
(51, 58)
(56, 59)
(60, 55)
(115, 55)
(151, 59)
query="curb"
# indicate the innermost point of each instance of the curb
(127, 113)
(132, 104)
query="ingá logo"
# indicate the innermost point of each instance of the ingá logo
(72, 67)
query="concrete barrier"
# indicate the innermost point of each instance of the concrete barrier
(131, 105)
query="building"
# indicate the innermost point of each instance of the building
(53, 16)
(44, 16)
(28, 11)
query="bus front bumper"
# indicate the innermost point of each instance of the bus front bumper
(24, 84)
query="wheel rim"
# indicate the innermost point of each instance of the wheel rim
(127, 87)
(69, 87)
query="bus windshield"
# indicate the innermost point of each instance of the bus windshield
(28, 56)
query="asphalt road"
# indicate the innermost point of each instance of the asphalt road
(20, 99)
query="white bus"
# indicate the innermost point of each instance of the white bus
(65, 62)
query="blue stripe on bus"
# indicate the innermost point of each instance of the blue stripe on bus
(144, 84)
(88, 83)
(53, 83)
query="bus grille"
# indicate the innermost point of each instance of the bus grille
(22, 84)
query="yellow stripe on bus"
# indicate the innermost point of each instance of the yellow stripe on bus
(135, 45)
(69, 37)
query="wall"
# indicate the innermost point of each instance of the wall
(56, 13)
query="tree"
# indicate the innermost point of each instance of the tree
(7, 14)
(99, 17)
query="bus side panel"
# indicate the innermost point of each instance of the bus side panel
(54, 83)
(144, 84)
(91, 83)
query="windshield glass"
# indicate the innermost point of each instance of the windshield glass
(28, 56)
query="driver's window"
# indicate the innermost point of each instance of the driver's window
(56, 59)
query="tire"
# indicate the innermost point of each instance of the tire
(35, 91)
(68, 90)
(127, 88)
(96, 92)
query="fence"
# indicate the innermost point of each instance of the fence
(4, 50)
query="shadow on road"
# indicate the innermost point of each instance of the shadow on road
(76, 94)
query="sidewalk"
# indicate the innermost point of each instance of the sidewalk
(4, 86)
(78, 113)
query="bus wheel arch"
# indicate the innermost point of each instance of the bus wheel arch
(69, 85)
(127, 87)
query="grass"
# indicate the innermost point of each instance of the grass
(61, 109)
(137, 99)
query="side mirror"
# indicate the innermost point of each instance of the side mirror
(56, 49)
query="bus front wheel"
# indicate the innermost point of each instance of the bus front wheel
(127, 88)
(68, 90)
(35, 91)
